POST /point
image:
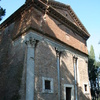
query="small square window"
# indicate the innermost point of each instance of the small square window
(47, 85)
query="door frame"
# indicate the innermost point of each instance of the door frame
(72, 91)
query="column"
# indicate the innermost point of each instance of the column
(75, 75)
(58, 72)
(30, 69)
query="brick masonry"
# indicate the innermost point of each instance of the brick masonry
(13, 57)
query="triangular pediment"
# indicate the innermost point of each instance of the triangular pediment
(67, 12)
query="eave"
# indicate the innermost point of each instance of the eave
(62, 6)
(58, 16)
(15, 15)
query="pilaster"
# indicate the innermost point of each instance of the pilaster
(75, 75)
(58, 71)
(30, 42)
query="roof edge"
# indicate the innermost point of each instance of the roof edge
(51, 10)
(59, 5)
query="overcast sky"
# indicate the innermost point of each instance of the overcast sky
(88, 11)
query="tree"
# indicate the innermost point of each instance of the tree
(92, 54)
(92, 68)
(99, 56)
(92, 76)
(2, 12)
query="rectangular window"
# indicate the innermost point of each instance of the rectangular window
(47, 85)
(86, 90)
(85, 87)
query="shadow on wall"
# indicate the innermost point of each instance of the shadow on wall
(67, 72)
(11, 66)
(11, 59)
(64, 71)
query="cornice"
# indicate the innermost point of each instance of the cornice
(58, 16)
(46, 35)
(67, 23)
(62, 6)
(58, 4)
(15, 15)
(76, 19)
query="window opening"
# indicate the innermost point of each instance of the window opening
(85, 88)
(47, 85)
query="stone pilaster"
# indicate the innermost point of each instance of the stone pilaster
(30, 68)
(58, 71)
(75, 75)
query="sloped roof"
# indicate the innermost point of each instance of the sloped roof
(62, 6)
(50, 6)
(50, 9)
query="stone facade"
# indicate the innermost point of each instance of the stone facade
(38, 49)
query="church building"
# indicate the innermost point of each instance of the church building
(43, 53)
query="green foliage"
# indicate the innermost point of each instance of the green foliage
(2, 12)
(99, 56)
(92, 54)
(98, 63)
(92, 68)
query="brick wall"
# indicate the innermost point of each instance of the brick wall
(12, 57)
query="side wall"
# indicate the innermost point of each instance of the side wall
(13, 73)
(46, 66)
(11, 65)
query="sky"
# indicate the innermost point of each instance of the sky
(88, 11)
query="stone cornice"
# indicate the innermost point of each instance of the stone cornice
(59, 5)
(27, 29)
(76, 19)
(62, 6)
(15, 15)
(67, 23)
(57, 15)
